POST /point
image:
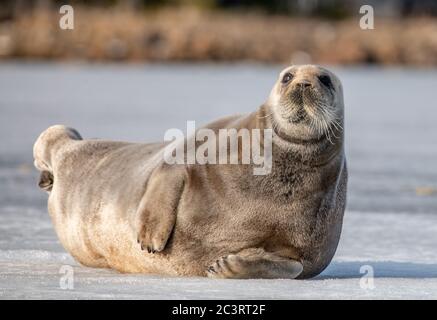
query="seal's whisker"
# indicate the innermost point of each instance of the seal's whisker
(328, 135)
(266, 116)
(333, 132)
(337, 125)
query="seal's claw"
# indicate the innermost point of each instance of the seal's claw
(219, 269)
(254, 263)
(152, 242)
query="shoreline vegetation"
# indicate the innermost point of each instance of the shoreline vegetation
(188, 34)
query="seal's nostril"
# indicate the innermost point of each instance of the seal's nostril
(304, 84)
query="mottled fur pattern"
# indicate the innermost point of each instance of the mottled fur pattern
(118, 205)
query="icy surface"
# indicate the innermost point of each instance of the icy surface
(391, 219)
(399, 247)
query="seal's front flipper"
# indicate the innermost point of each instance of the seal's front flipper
(156, 214)
(254, 263)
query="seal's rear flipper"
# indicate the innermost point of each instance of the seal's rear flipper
(46, 181)
(45, 148)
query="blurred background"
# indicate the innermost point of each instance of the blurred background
(278, 31)
(130, 70)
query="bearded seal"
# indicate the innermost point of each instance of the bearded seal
(119, 205)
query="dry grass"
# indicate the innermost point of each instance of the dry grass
(188, 34)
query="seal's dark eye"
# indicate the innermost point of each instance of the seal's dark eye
(287, 77)
(326, 80)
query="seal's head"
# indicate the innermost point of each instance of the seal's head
(307, 105)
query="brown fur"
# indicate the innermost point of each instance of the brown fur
(118, 205)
